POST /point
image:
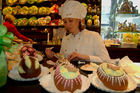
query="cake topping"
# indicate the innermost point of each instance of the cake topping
(20, 69)
(110, 71)
(27, 61)
(36, 63)
(113, 67)
(71, 68)
(67, 73)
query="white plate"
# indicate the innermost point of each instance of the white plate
(137, 63)
(47, 83)
(137, 75)
(98, 84)
(13, 74)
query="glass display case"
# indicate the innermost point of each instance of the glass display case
(123, 22)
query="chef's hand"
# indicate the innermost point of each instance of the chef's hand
(77, 56)
(49, 53)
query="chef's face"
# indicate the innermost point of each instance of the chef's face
(71, 24)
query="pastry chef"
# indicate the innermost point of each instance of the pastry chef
(80, 44)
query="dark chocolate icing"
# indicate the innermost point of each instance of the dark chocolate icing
(29, 72)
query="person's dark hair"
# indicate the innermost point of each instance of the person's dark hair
(9, 20)
(81, 26)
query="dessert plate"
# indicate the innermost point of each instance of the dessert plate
(13, 74)
(132, 85)
(47, 83)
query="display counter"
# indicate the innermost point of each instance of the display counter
(132, 53)
(13, 86)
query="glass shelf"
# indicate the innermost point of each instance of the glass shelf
(126, 32)
(127, 15)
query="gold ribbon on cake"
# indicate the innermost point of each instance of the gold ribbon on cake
(6, 44)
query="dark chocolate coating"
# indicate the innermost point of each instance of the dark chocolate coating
(30, 72)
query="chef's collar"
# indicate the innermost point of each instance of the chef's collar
(77, 35)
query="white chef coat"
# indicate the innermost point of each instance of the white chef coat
(85, 42)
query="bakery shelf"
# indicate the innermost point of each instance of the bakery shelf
(27, 4)
(38, 26)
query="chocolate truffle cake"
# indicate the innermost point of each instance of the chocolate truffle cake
(29, 67)
(112, 76)
(67, 78)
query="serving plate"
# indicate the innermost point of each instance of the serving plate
(132, 85)
(14, 74)
(137, 75)
(47, 83)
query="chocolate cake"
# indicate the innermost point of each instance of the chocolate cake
(29, 67)
(67, 78)
(112, 77)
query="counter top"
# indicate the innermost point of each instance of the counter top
(132, 53)
(34, 87)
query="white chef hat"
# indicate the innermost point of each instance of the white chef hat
(72, 9)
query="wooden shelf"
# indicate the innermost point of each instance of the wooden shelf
(37, 27)
(27, 4)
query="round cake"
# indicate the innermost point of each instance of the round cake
(112, 76)
(29, 67)
(67, 78)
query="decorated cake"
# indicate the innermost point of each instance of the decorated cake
(15, 10)
(33, 21)
(24, 10)
(42, 21)
(7, 10)
(29, 67)
(67, 78)
(22, 1)
(11, 2)
(33, 10)
(112, 76)
(42, 10)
